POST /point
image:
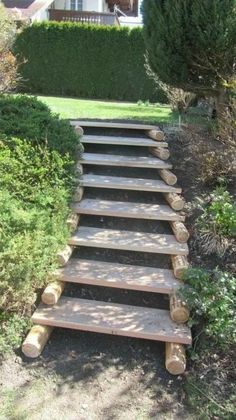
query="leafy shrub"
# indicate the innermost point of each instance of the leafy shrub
(29, 119)
(12, 327)
(217, 223)
(211, 298)
(93, 61)
(36, 182)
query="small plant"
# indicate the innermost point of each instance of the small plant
(211, 299)
(216, 226)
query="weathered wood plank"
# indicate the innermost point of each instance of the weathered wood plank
(122, 141)
(136, 184)
(127, 161)
(121, 276)
(130, 241)
(110, 318)
(126, 209)
(105, 124)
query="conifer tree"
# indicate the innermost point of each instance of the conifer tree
(191, 44)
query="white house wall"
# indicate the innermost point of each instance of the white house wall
(88, 5)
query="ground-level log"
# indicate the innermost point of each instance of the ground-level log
(72, 221)
(64, 255)
(79, 130)
(180, 264)
(179, 311)
(157, 135)
(78, 194)
(175, 358)
(168, 176)
(36, 340)
(79, 169)
(160, 152)
(175, 201)
(53, 292)
(180, 231)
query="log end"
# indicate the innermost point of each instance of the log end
(175, 358)
(36, 340)
(52, 293)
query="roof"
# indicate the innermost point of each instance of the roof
(25, 9)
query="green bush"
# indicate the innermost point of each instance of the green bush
(212, 300)
(88, 61)
(216, 226)
(29, 119)
(36, 182)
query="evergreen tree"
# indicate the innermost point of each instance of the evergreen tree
(191, 44)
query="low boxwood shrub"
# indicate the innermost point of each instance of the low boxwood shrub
(36, 182)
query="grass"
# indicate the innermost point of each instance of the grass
(83, 109)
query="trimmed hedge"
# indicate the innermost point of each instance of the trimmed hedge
(88, 61)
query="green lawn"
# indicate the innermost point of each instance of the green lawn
(83, 109)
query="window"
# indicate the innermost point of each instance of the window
(76, 5)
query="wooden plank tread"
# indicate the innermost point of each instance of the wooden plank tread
(126, 240)
(122, 141)
(112, 318)
(126, 209)
(137, 184)
(122, 276)
(127, 161)
(105, 124)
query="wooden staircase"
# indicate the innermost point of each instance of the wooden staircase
(169, 325)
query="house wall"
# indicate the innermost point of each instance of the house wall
(40, 16)
(88, 5)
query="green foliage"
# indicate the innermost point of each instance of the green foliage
(211, 298)
(219, 213)
(12, 327)
(88, 61)
(216, 226)
(191, 44)
(29, 119)
(36, 182)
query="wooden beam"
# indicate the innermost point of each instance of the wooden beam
(112, 318)
(64, 255)
(179, 311)
(53, 292)
(180, 265)
(175, 358)
(175, 201)
(180, 231)
(156, 134)
(36, 340)
(160, 152)
(168, 176)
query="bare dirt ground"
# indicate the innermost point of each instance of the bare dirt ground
(89, 376)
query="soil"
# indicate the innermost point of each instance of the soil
(90, 376)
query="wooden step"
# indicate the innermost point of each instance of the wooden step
(120, 183)
(112, 318)
(122, 141)
(126, 209)
(121, 276)
(126, 240)
(127, 161)
(118, 125)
